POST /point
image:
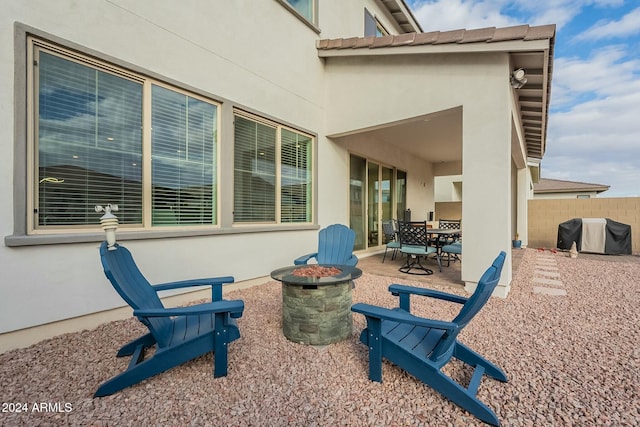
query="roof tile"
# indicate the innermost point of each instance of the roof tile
(322, 44)
(384, 41)
(510, 33)
(450, 36)
(541, 32)
(479, 35)
(490, 34)
(403, 39)
(334, 44)
(349, 43)
(365, 41)
(426, 38)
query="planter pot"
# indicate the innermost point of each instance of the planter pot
(517, 244)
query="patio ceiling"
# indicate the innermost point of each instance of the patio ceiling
(433, 137)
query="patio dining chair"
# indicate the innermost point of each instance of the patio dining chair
(391, 239)
(178, 334)
(453, 250)
(414, 243)
(423, 346)
(448, 224)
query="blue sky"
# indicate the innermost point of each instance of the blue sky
(594, 121)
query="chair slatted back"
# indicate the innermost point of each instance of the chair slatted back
(135, 289)
(487, 283)
(335, 244)
(389, 231)
(449, 224)
(413, 233)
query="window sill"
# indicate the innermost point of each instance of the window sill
(98, 236)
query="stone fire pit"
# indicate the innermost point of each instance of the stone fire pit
(316, 302)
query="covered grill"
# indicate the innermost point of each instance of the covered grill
(596, 235)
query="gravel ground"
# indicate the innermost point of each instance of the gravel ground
(571, 360)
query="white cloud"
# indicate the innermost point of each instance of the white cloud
(607, 72)
(596, 140)
(628, 25)
(442, 15)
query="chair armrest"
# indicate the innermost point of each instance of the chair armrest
(353, 261)
(194, 282)
(234, 307)
(215, 283)
(303, 259)
(398, 315)
(404, 293)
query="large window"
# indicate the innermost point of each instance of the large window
(106, 135)
(272, 172)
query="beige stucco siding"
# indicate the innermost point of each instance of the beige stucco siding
(419, 85)
(253, 55)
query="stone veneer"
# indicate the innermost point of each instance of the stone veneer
(316, 314)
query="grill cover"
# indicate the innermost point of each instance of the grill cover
(617, 236)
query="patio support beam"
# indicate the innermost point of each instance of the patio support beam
(487, 168)
(524, 188)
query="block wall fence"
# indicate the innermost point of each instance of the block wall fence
(546, 214)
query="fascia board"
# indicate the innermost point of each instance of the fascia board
(448, 48)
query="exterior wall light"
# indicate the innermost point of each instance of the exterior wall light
(109, 223)
(518, 78)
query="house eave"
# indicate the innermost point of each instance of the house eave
(348, 48)
(402, 14)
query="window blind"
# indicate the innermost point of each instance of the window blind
(183, 159)
(295, 185)
(254, 171)
(89, 143)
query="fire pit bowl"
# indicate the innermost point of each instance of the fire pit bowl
(316, 302)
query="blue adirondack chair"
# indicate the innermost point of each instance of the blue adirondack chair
(423, 346)
(179, 334)
(335, 246)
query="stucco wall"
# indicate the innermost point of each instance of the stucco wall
(254, 55)
(448, 210)
(257, 56)
(546, 214)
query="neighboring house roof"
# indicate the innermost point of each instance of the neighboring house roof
(558, 186)
(521, 42)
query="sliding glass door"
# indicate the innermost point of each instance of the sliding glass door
(377, 193)
(358, 200)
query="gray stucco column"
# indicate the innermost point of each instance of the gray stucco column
(486, 166)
